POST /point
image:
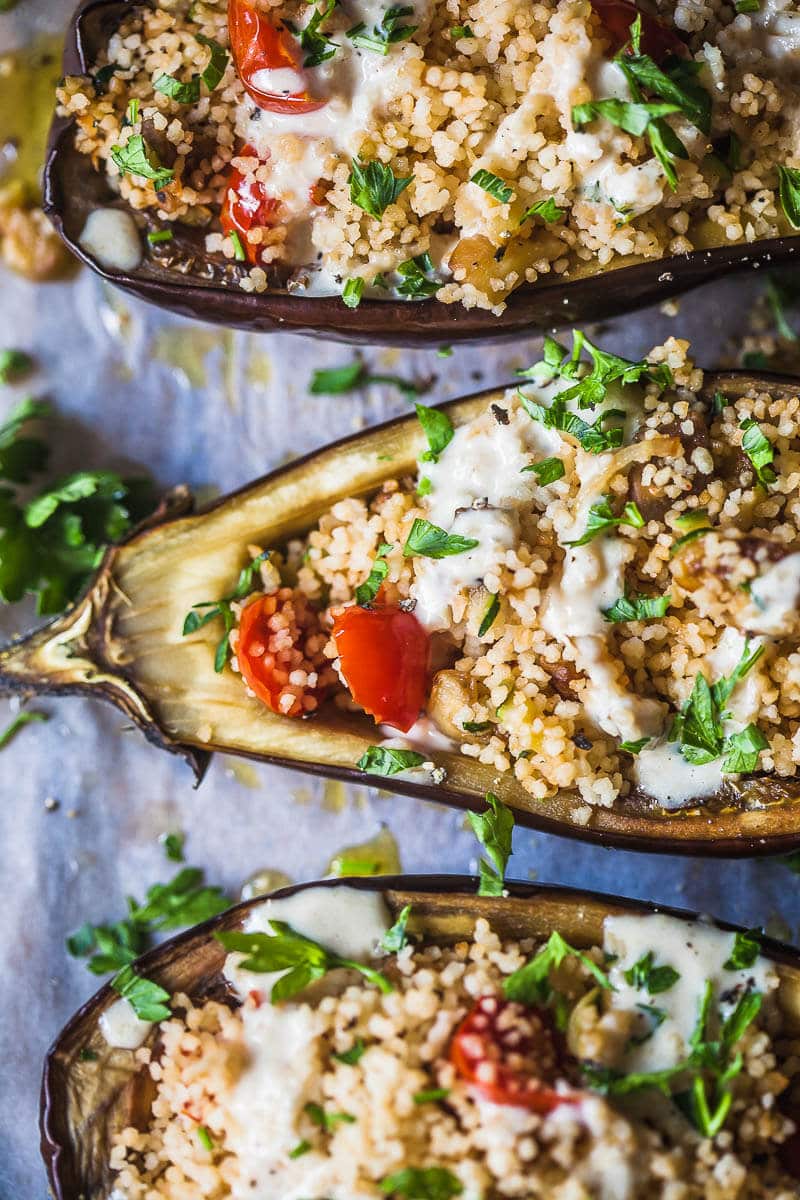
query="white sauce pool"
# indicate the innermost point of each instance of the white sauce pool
(121, 1027)
(774, 595)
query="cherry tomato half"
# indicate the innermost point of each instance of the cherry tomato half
(258, 44)
(510, 1054)
(658, 40)
(271, 646)
(246, 204)
(383, 654)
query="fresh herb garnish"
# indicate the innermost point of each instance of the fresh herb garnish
(494, 830)
(373, 186)
(318, 47)
(476, 726)
(304, 960)
(137, 158)
(147, 999)
(494, 185)
(396, 938)
(326, 1120)
(335, 381)
(215, 609)
(430, 1095)
(746, 949)
(759, 450)
(14, 364)
(422, 1183)
(637, 608)
(156, 236)
(438, 429)
(19, 722)
(635, 747)
(547, 209)
(592, 437)
(300, 1149)
(601, 518)
(388, 33)
(742, 751)
(182, 93)
(352, 291)
(352, 1056)
(239, 252)
(531, 983)
(385, 760)
(698, 726)
(431, 541)
(489, 617)
(789, 190)
(173, 846)
(747, 6)
(648, 977)
(640, 119)
(415, 283)
(204, 1138)
(368, 590)
(461, 31)
(590, 388)
(547, 471)
(217, 64)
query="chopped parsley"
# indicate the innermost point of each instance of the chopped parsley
(531, 984)
(635, 747)
(592, 437)
(336, 381)
(489, 617)
(304, 960)
(239, 253)
(431, 541)
(182, 93)
(494, 830)
(415, 285)
(173, 846)
(789, 190)
(461, 31)
(19, 722)
(137, 158)
(368, 590)
(648, 977)
(352, 291)
(590, 388)
(637, 608)
(318, 47)
(746, 949)
(640, 119)
(388, 33)
(147, 999)
(698, 726)
(430, 1095)
(547, 209)
(747, 6)
(386, 760)
(217, 64)
(328, 1121)
(422, 1183)
(204, 1138)
(221, 609)
(373, 186)
(300, 1149)
(396, 938)
(601, 518)
(743, 750)
(494, 185)
(547, 471)
(438, 429)
(759, 450)
(14, 364)
(353, 1055)
(156, 236)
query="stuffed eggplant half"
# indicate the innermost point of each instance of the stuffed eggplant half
(408, 1038)
(580, 593)
(334, 166)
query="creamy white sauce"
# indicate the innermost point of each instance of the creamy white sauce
(424, 736)
(111, 237)
(698, 952)
(661, 770)
(121, 1027)
(774, 598)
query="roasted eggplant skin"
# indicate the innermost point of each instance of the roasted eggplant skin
(84, 1102)
(122, 642)
(187, 281)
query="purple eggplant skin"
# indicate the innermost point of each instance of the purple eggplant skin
(121, 642)
(82, 1101)
(186, 280)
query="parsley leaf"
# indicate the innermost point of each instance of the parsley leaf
(353, 291)
(214, 609)
(422, 1183)
(367, 591)
(759, 450)
(430, 1095)
(746, 949)
(461, 31)
(431, 541)
(547, 209)
(14, 364)
(415, 284)
(351, 1057)
(494, 185)
(644, 975)
(789, 190)
(173, 846)
(373, 186)
(147, 999)
(19, 722)
(385, 760)
(438, 429)
(387, 33)
(591, 387)
(494, 830)
(675, 81)
(335, 381)
(742, 750)
(601, 518)
(489, 617)
(632, 117)
(319, 48)
(326, 1120)
(531, 984)
(137, 158)
(698, 726)
(396, 938)
(217, 64)
(592, 438)
(183, 93)
(304, 960)
(547, 471)
(637, 608)
(635, 747)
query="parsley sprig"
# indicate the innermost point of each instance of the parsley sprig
(645, 975)
(494, 829)
(589, 388)
(304, 961)
(422, 1183)
(374, 186)
(698, 727)
(137, 158)
(531, 983)
(431, 541)
(759, 451)
(387, 33)
(387, 761)
(221, 609)
(601, 518)
(637, 608)
(317, 45)
(368, 590)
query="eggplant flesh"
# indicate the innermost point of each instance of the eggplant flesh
(87, 1098)
(123, 642)
(185, 279)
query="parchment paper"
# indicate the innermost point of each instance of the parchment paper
(135, 387)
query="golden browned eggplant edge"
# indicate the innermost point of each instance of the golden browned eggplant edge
(195, 286)
(122, 641)
(84, 1102)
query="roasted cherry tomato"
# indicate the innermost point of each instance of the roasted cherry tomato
(272, 647)
(659, 41)
(510, 1054)
(258, 44)
(246, 204)
(383, 654)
